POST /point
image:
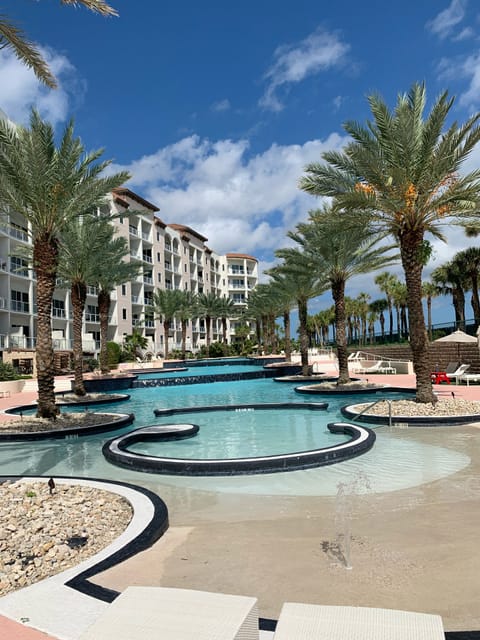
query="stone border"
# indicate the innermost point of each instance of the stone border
(408, 421)
(73, 432)
(314, 389)
(116, 450)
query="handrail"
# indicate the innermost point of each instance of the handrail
(357, 415)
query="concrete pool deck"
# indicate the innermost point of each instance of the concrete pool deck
(414, 549)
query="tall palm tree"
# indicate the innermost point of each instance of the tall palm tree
(48, 186)
(186, 310)
(209, 308)
(400, 303)
(165, 306)
(362, 302)
(469, 262)
(13, 38)
(338, 252)
(429, 291)
(111, 271)
(451, 280)
(386, 281)
(226, 309)
(81, 243)
(402, 169)
(378, 307)
(299, 266)
(284, 290)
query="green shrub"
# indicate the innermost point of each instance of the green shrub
(113, 354)
(7, 372)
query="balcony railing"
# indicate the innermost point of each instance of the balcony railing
(22, 307)
(92, 317)
(147, 280)
(133, 231)
(14, 232)
(146, 236)
(58, 313)
(147, 258)
(92, 291)
(149, 324)
(168, 247)
(135, 299)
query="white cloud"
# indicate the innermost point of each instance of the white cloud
(21, 90)
(444, 23)
(221, 105)
(241, 202)
(293, 63)
(468, 68)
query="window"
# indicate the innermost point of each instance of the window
(124, 314)
(124, 289)
(185, 268)
(91, 314)
(158, 256)
(159, 277)
(19, 301)
(58, 308)
(19, 267)
(121, 220)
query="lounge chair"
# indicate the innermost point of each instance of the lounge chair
(307, 621)
(375, 368)
(176, 614)
(459, 373)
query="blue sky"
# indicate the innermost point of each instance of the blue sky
(215, 108)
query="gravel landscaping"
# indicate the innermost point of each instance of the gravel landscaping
(63, 421)
(43, 532)
(410, 408)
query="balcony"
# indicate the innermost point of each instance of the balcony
(168, 266)
(168, 247)
(147, 258)
(92, 317)
(149, 324)
(21, 307)
(147, 280)
(135, 300)
(15, 231)
(133, 231)
(92, 291)
(146, 236)
(59, 313)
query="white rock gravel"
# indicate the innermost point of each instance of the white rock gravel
(63, 421)
(410, 408)
(42, 534)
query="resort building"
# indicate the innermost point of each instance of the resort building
(170, 256)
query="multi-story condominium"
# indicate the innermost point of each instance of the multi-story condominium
(170, 256)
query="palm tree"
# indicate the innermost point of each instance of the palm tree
(13, 38)
(209, 308)
(298, 265)
(362, 302)
(402, 170)
(429, 291)
(338, 252)
(399, 293)
(284, 290)
(226, 309)
(386, 282)
(378, 307)
(81, 243)
(165, 306)
(111, 271)
(451, 280)
(186, 310)
(469, 262)
(48, 186)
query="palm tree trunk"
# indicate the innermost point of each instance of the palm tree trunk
(224, 329)
(288, 341)
(103, 299)
(475, 298)
(79, 295)
(458, 299)
(390, 319)
(45, 262)
(302, 319)
(338, 294)
(410, 245)
(208, 326)
(166, 331)
(429, 316)
(382, 325)
(184, 338)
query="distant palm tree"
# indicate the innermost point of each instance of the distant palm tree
(469, 262)
(187, 309)
(378, 307)
(399, 294)
(451, 279)
(284, 290)
(386, 282)
(429, 291)
(402, 170)
(13, 38)
(49, 186)
(208, 308)
(226, 309)
(165, 306)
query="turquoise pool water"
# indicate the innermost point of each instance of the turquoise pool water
(397, 460)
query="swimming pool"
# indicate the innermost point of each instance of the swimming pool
(397, 461)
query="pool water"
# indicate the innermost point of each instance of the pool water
(397, 460)
(200, 371)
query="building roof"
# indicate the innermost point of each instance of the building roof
(241, 256)
(123, 191)
(184, 229)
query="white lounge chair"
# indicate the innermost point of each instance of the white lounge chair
(375, 368)
(318, 622)
(176, 614)
(461, 371)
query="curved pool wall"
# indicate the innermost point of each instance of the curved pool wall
(116, 451)
(351, 412)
